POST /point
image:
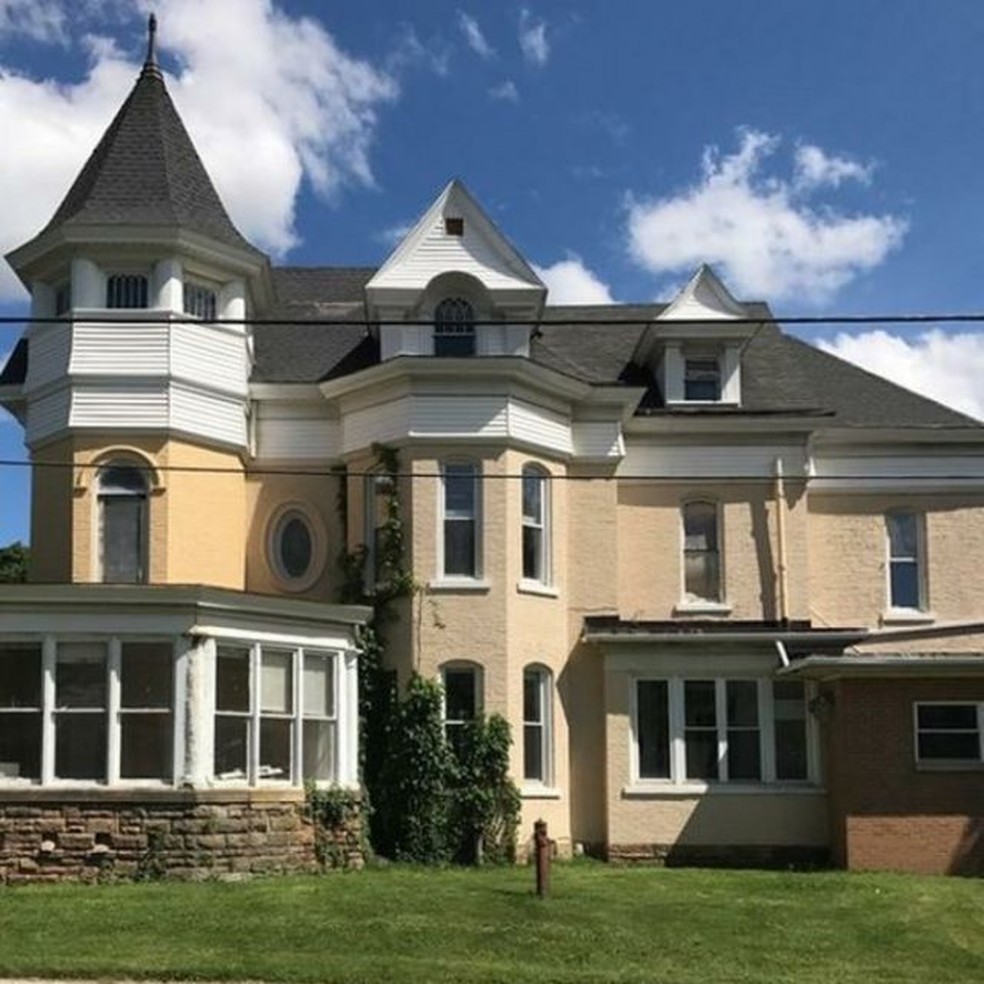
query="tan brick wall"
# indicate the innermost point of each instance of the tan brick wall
(53, 537)
(886, 812)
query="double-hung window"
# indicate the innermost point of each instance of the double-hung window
(20, 712)
(460, 488)
(462, 701)
(720, 730)
(536, 529)
(123, 524)
(537, 744)
(702, 378)
(378, 496)
(701, 553)
(950, 732)
(906, 565)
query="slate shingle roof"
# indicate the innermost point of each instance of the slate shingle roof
(146, 171)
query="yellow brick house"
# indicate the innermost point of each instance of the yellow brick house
(724, 587)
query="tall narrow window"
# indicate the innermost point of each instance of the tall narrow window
(123, 525)
(378, 495)
(20, 712)
(126, 290)
(905, 562)
(146, 717)
(320, 716)
(233, 712)
(199, 301)
(276, 713)
(653, 729)
(744, 735)
(535, 529)
(462, 701)
(702, 379)
(454, 328)
(461, 519)
(789, 713)
(700, 732)
(537, 725)
(701, 558)
(80, 711)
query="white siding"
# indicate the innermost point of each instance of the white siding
(214, 357)
(47, 415)
(476, 416)
(379, 424)
(120, 350)
(598, 439)
(292, 431)
(49, 347)
(208, 415)
(535, 425)
(839, 472)
(710, 461)
(123, 407)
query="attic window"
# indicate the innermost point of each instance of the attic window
(454, 328)
(702, 379)
(454, 226)
(199, 301)
(126, 290)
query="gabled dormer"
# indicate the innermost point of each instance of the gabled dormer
(694, 345)
(455, 286)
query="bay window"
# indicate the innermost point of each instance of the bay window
(537, 725)
(535, 526)
(461, 519)
(720, 730)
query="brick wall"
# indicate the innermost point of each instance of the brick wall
(46, 835)
(887, 812)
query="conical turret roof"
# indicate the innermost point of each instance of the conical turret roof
(145, 171)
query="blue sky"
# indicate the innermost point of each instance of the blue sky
(824, 156)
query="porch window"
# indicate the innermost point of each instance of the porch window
(950, 732)
(80, 711)
(146, 711)
(20, 712)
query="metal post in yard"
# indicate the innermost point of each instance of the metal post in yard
(542, 851)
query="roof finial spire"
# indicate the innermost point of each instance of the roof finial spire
(150, 64)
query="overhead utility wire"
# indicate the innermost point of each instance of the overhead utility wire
(510, 476)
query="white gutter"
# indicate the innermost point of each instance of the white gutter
(781, 568)
(783, 655)
(931, 628)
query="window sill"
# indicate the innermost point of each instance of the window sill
(463, 584)
(537, 588)
(659, 790)
(702, 608)
(952, 765)
(907, 616)
(534, 792)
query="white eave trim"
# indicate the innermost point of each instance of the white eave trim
(835, 667)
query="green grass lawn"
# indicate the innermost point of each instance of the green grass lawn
(601, 924)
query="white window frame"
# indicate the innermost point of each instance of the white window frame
(455, 328)
(131, 277)
(540, 523)
(474, 579)
(544, 684)
(195, 293)
(693, 603)
(942, 763)
(677, 747)
(919, 560)
(687, 357)
(478, 675)
(276, 524)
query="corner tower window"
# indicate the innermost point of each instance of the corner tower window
(123, 525)
(199, 301)
(536, 531)
(454, 328)
(126, 290)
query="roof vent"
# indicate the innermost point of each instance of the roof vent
(454, 226)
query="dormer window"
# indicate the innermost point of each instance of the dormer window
(702, 379)
(454, 328)
(199, 301)
(126, 290)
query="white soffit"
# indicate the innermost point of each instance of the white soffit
(705, 298)
(429, 250)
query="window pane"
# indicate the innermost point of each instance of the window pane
(903, 534)
(742, 703)
(700, 708)
(744, 755)
(319, 684)
(275, 683)
(532, 496)
(80, 746)
(789, 711)
(460, 694)
(319, 750)
(950, 745)
(459, 490)
(532, 696)
(122, 538)
(532, 553)
(20, 676)
(701, 573)
(941, 717)
(702, 754)
(146, 746)
(459, 547)
(20, 746)
(653, 729)
(275, 744)
(295, 546)
(121, 480)
(80, 675)
(700, 526)
(231, 744)
(232, 680)
(147, 674)
(905, 584)
(533, 752)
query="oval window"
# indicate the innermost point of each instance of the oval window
(294, 546)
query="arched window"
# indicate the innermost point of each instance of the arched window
(537, 725)
(126, 290)
(454, 328)
(536, 525)
(122, 495)
(701, 552)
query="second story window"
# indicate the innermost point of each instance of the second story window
(461, 519)
(701, 557)
(126, 290)
(199, 301)
(535, 525)
(906, 575)
(702, 379)
(454, 328)
(123, 525)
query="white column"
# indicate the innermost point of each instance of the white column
(49, 652)
(348, 719)
(168, 286)
(113, 712)
(88, 284)
(42, 300)
(195, 703)
(232, 300)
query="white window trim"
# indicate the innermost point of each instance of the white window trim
(545, 527)
(545, 684)
(944, 765)
(904, 614)
(479, 673)
(475, 580)
(319, 545)
(702, 606)
(678, 783)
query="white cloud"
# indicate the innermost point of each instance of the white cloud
(393, 235)
(533, 38)
(39, 20)
(277, 93)
(815, 168)
(764, 232)
(507, 91)
(571, 282)
(474, 36)
(946, 367)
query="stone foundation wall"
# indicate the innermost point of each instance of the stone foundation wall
(105, 835)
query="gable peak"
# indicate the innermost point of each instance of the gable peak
(704, 298)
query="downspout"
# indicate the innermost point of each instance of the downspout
(782, 577)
